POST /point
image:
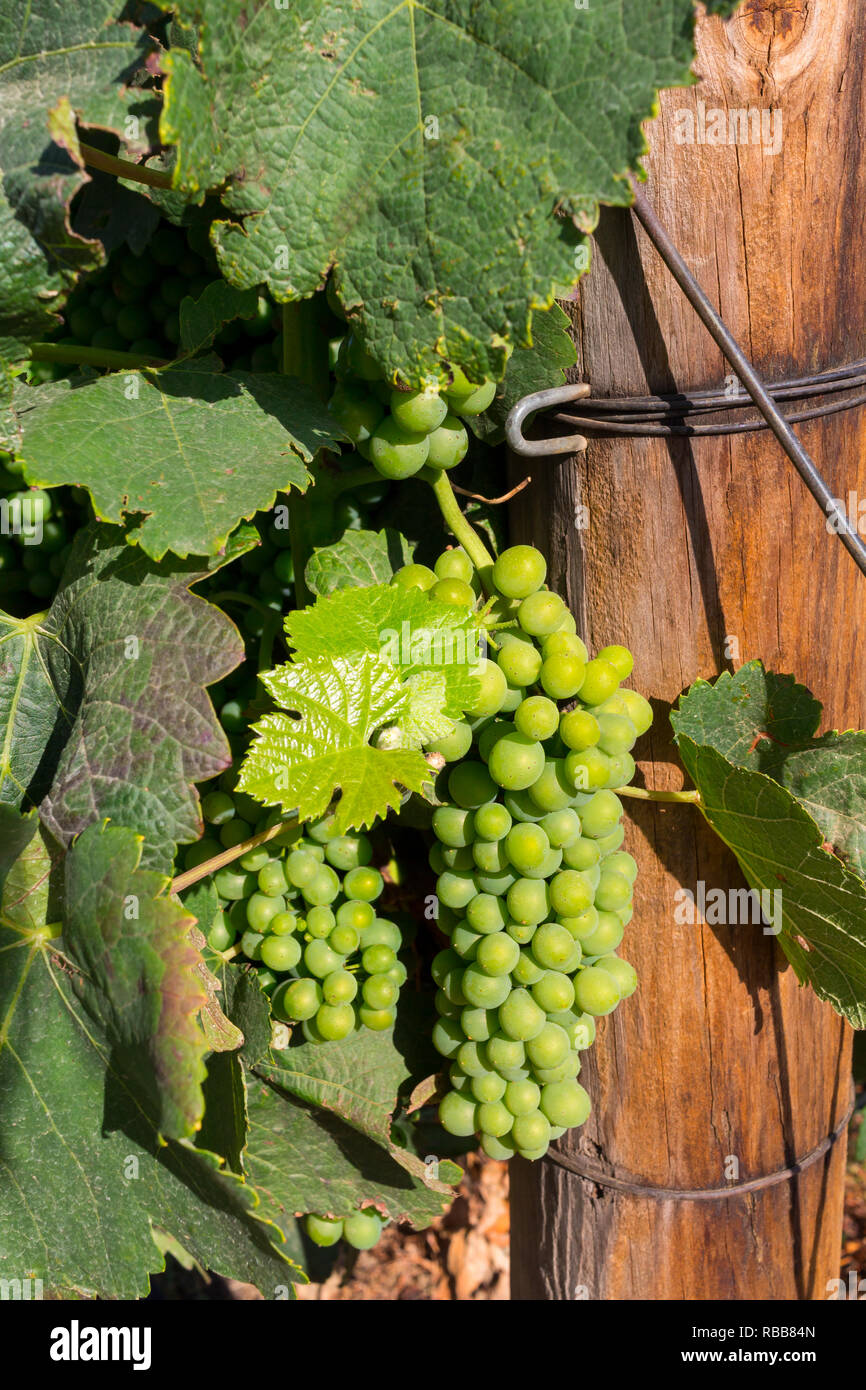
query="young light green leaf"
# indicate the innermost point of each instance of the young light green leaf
(358, 559)
(301, 760)
(528, 114)
(188, 452)
(766, 722)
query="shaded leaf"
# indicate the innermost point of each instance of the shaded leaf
(201, 319)
(357, 560)
(530, 369)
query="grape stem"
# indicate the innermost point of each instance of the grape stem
(123, 168)
(93, 357)
(228, 856)
(455, 520)
(690, 796)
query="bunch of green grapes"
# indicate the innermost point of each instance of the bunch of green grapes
(132, 304)
(302, 907)
(35, 538)
(534, 890)
(401, 431)
(361, 1229)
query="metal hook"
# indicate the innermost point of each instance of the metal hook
(544, 400)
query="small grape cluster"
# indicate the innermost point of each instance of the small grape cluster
(534, 891)
(361, 1229)
(38, 528)
(401, 431)
(301, 906)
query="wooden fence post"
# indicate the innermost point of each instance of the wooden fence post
(701, 555)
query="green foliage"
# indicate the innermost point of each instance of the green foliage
(358, 560)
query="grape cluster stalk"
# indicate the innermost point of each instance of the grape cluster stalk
(534, 891)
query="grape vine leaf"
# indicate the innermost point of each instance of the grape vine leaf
(444, 157)
(201, 319)
(816, 904)
(187, 452)
(383, 661)
(768, 723)
(78, 54)
(358, 559)
(77, 1207)
(103, 708)
(535, 368)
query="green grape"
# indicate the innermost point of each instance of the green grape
(261, 910)
(320, 960)
(614, 890)
(492, 820)
(554, 992)
(564, 643)
(621, 972)
(457, 1114)
(455, 745)
(491, 690)
(501, 1147)
(565, 1103)
(217, 808)
(588, 770)
(465, 942)
(552, 946)
(348, 852)
(322, 1230)
(526, 846)
(620, 658)
(356, 411)
(221, 934)
(490, 855)
(497, 954)
(460, 1082)
(526, 970)
(414, 577)
(280, 952)
(362, 1229)
(513, 697)
(617, 733)
(377, 959)
(486, 913)
(519, 571)
(301, 868)
(478, 1024)
(455, 888)
(490, 735)
(601, 815)
(540, 613)
(521, 807)
(516, 762)
(229, 883)
(324, 888)
(471, 1058)
(552, 790)
(444, 962)
(609, 843)
(449, 444)
(377, 1020)
(570, 893)
(455, 564)
(201, 852)
(447, 1037)
(581, 926)
(395, 452)
(335, 1021)
(536, 717)
(340, 987)
(272, 879)
(562, 829)
(579, 730)
(622, 863)
(522, 1097)
(471, 785)
(494, 1119)
(234, 832)
(345, 940)
(521, 932)
(561, 676)
(379, 992)
(487, 1087)
(454, 826)
(379, 932)
(528, 901)
(482, 990)
(497, 884)
(606, 937)
(359, 915)
(420, 411)
(323, 831)
(599, 682)
(531, 1131)
(549, 1048)
(251, 944)
(595, 991)
(363, 883)
(320, 921)
(633, 706)
(504, 1052)
(520, 1017)
(621, 771)
(519, 661)
(582, 853)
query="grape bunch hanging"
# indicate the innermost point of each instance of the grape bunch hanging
(534, 891)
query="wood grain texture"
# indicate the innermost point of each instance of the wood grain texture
(701, 555)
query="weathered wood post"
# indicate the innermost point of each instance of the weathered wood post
(700, 555)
